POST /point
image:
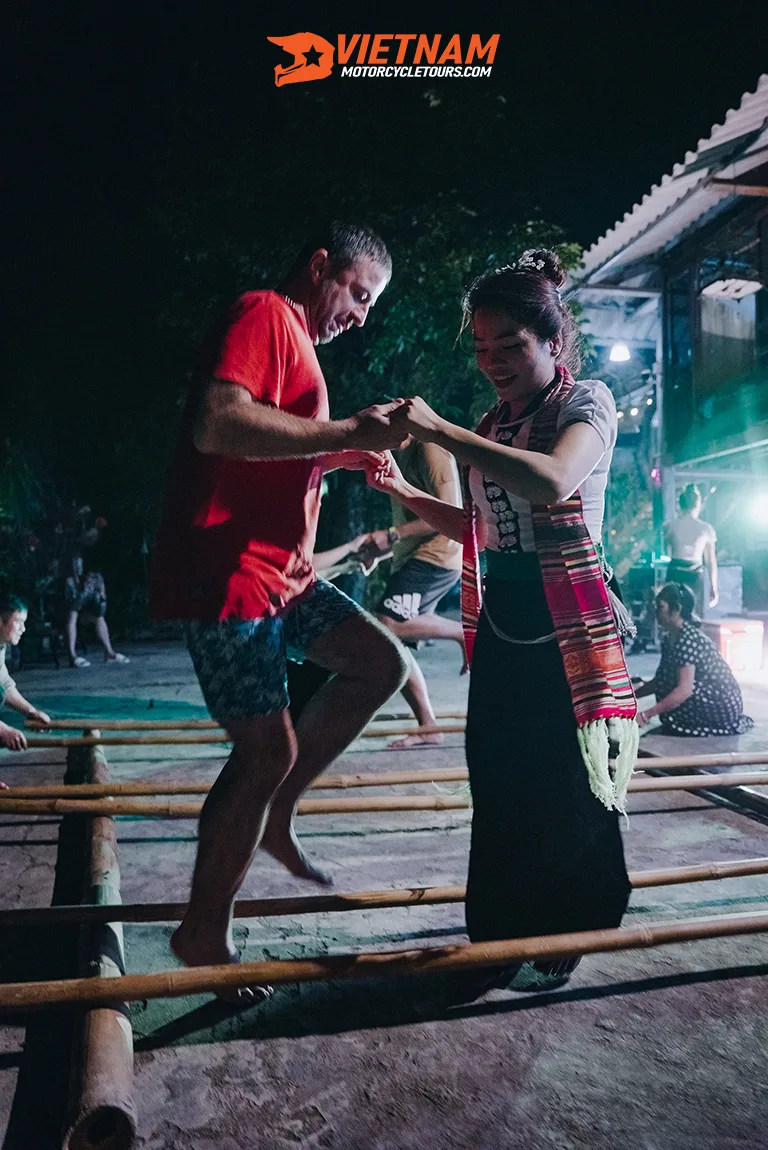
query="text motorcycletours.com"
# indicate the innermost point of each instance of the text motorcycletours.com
(413, 72)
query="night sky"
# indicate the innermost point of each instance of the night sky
(583, 112)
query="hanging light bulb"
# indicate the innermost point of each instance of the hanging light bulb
(619, 353)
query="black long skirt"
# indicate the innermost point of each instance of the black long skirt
(546, 855)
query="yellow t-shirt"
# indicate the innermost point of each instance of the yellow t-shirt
(427, 467)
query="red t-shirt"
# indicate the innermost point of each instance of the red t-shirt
(236, 536)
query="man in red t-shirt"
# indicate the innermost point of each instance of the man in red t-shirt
(233, 560)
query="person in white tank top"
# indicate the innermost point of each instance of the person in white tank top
(692, 544)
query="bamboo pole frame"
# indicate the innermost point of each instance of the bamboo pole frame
(358, 900)
(199, 980)
(104, 1112)
(169, 809)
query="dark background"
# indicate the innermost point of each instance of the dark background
(156, 171)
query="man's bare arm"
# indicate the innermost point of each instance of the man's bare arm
(230, 422)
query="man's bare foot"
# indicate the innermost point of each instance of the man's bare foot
(411, 741)
(196, 950)
(281, 843)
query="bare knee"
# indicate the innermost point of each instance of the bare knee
(390, 666)
(264, 745)
(365, 650)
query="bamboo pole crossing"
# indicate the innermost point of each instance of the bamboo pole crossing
(389, 964)
(357, 900)
(169, 809)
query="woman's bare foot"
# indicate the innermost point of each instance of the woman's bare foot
(195, 949)
(280, 842)
(411, 741)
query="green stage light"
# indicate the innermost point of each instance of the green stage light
(758, 509)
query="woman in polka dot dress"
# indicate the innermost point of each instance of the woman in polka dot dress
(695, 688)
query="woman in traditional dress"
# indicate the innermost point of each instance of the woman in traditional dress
(696, 691)
(551, 738)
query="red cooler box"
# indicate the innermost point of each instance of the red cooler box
(739, 641)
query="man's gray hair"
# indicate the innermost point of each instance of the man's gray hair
(346, 243)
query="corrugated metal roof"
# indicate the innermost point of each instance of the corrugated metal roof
(686, 195)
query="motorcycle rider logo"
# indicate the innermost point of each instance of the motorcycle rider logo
(312, 58)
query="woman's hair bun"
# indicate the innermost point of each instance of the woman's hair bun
(545, 261)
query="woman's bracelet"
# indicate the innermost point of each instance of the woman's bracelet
(393, 536)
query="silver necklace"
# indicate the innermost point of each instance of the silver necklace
(291, 302)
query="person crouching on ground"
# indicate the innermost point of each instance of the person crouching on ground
(696, 690)
(13, 619)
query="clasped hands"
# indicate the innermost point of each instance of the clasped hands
(378, 430)
(389, 426)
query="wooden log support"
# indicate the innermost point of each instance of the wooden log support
(199, 980)
(169, 809)
(104, 1112)
(357, 900)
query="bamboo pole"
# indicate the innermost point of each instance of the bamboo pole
(187, 724)
(128, 741)
(169, 809)
(644, 763)
(445, 729)
(358, 900)
(720, 759)
(198, 980)
(151, 788)
(207, 736)
(104, 1112)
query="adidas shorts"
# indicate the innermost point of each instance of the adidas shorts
(416, 589)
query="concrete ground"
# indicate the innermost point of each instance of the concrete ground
(659, 1049)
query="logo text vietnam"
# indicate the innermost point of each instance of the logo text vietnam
(384, 54)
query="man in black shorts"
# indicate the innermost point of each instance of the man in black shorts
(425, 567)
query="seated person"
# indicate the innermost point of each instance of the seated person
(696, 691)
(13, 617)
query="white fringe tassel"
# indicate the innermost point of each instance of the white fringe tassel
(609, 749)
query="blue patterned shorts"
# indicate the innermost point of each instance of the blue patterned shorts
(241, 663)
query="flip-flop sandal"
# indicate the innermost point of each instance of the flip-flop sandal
(537, 977)
(243, 997)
